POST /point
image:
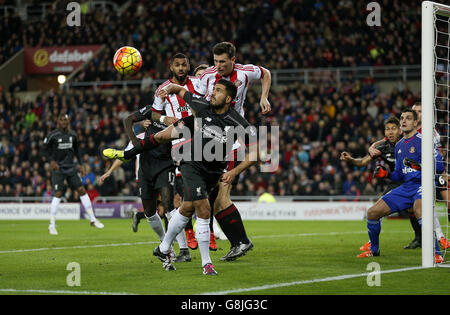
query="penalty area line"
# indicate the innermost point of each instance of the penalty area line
(303, 282)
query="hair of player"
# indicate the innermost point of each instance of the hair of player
(200, 67)
(410, 110)
(225, 48)
(178, 56)
(230, 88)
(63, 115)
(392, 120)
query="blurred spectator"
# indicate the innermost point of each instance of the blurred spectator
(275, 34)
(311, 137)
(92, 192)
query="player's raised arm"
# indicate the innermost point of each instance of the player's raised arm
(373, 151)
(108, 173)
(138, 116)
(360, 162)
(172, 89)
(266, 81)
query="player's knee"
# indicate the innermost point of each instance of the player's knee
(187, 209)
(202, 208)
(223, 199)
(149, 212)
(177, 201)
(58, 194)
(374, 213)
(149, 207)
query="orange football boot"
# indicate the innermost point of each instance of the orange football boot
(368, 254)
(444, 243)
(365, 247)
(212, 242)
(438, 259)
(190, 238)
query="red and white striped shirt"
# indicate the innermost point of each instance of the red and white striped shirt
(241, 76)
(173, 105)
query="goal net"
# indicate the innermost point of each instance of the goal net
(435, 121)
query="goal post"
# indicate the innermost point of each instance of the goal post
(430, 86)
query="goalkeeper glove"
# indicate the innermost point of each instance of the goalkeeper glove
(381, 172)
(412, 163)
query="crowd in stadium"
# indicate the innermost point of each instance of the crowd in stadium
(317, 122)
(276, 34)
(320, 120)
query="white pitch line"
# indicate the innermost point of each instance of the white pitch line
(146, 243)
(65, 292)
(287, 284)
(73, 247)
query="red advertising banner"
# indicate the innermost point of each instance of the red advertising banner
(53, 60)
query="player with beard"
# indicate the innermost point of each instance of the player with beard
(216, 129)
(156, 178)
(225, 67)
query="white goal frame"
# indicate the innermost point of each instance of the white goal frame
(428, 126)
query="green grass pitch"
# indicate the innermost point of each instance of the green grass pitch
(289, 258)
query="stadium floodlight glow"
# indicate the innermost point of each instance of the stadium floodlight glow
(431, 64)
(61, 79)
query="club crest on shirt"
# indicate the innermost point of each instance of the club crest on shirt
(238, 83)
(412, 150)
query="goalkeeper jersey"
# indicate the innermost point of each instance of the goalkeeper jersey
(411, 148)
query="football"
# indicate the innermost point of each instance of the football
(127, 60)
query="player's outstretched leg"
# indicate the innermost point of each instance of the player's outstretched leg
(176, 225)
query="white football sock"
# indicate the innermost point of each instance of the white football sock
(86, 201)
(202, 234)
(54, 209)
(156, 224)
(437, 227)
(181, 237)
(176, 225)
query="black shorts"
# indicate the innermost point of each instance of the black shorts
(197, 181)
(441, 184)
(73, 180)
(179, 185)
(233, 163)
(149, 184)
